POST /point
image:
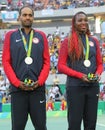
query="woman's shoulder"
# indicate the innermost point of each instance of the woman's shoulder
(65, 41)
(93, 37)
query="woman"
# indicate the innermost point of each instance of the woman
(80, 55)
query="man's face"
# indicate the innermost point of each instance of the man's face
(81, 23)
(26, 18)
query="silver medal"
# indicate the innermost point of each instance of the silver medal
(28, 60)
(87, 63)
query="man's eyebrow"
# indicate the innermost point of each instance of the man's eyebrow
(27, 14)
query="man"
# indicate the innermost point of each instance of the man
(26, 63)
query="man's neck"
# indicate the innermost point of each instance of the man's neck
(27, 30)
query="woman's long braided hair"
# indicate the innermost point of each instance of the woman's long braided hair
(75, 46)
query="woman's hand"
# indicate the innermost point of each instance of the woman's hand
(85, 78)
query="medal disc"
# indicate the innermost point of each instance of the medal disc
(87, 63)
(28, 60)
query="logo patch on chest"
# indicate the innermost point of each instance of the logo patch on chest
(35, 40)
(91, 43)
(18, 40)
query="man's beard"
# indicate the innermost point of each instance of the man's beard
(27, 26)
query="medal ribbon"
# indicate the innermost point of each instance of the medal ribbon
(87, 48)
(28, 49)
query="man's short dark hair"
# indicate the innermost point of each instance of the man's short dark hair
(26, 6)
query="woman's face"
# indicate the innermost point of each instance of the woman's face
(81, 23)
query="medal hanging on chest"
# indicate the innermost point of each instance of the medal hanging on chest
(28, 60)
(87, 62)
